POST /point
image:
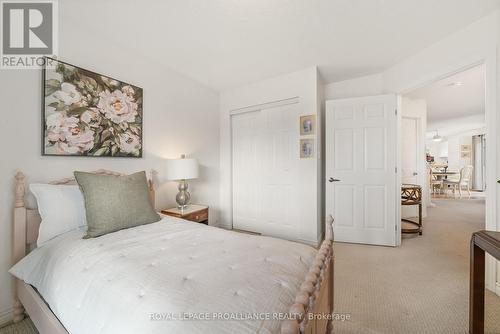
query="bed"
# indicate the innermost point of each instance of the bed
(170, 276)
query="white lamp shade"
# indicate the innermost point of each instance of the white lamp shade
(182, 169)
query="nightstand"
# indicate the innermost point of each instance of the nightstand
(193, 212)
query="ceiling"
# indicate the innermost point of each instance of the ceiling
(456, 102)
(228, 43)
(457, 126)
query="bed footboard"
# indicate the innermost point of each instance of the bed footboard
(45, 321)
(313, 307)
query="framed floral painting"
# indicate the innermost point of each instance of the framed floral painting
(89, 114)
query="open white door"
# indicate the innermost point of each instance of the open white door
(410, 168)
(363, 187)
(413, 164)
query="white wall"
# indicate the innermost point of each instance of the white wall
(454, 126)
(495, 91)
(457, 131)
(304, 85)
(466, 47)
(448, 150)
(455, 160)
(454, 153)
(180, 116)
(439, 150)
(364, 86)
(472, 45)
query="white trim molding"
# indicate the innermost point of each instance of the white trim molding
(268, 105)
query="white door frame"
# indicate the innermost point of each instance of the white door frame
(490, 77)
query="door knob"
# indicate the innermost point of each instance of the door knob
(415, 173)
(333, 180)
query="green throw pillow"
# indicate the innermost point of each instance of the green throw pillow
(114, 202)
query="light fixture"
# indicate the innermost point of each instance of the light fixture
(181, 170)
(437, 137)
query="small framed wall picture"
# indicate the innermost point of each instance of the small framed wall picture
(465, 148)
(465, 154)
(307, 125)
(306, 148)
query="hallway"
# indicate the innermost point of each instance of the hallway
(420, 287)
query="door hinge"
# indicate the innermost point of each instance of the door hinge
(396, 228)
(396, 170)
(396, 112)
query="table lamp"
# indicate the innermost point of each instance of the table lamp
(181, 170)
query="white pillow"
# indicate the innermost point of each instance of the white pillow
(61, 207)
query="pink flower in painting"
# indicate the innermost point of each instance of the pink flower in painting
(91, 117)
(79, 141)
(129, 143)
(128, 90)
(54, 123)
(68, 94)
(117, 106)
(68, 136)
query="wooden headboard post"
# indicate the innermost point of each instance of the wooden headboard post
(152, 194)
(19, 228)
(19, 236)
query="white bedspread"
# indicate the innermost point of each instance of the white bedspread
(169, 271)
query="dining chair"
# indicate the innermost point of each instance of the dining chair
(435, 182)
(464, 180)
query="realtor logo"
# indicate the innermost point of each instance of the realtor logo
(28, 33)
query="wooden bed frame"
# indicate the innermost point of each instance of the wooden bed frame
(310, 314)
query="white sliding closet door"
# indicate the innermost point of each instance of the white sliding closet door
(247, 166)
(265, 171)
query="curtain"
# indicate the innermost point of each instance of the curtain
(479, 162)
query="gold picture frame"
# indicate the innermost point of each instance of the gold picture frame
(307, 125)
(307, 148)
(465, 148)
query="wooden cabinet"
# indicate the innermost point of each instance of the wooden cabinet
(481, 242)
(195, 213)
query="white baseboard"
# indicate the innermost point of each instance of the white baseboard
(313, 243)
(491, 274)
(497, 289)
(224, 226)
(6, 316)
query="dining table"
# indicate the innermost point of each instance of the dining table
(443, 175)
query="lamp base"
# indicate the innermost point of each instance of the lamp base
(183, 196)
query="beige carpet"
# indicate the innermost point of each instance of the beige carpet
(23, 327)
(420, 287)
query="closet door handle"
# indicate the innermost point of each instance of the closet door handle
(333, 180)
